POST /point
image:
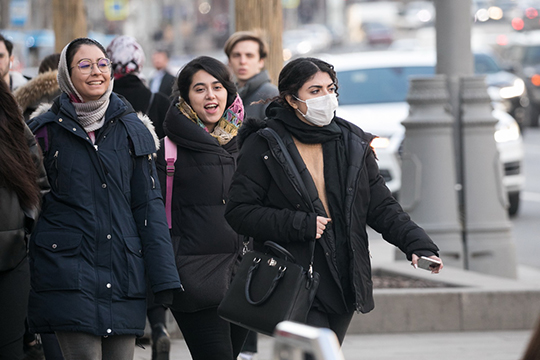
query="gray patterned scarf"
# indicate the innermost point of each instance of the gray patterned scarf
(91, 114)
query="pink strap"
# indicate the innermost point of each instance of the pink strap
(170, 158)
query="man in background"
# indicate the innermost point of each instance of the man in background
(162, 81)
(247, 52)
(13, 79)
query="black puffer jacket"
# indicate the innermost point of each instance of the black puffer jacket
(203, 173)
(263, 204)
(15, 221)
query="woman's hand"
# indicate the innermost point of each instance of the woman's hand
(321, 225)
(434, 270)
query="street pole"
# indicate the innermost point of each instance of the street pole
(267, 16)
(455, 59)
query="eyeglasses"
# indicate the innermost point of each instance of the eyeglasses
(85, 65)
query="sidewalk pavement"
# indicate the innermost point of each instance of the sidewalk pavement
(439, 345)
(503, 345)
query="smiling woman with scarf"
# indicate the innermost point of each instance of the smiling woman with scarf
(202, 124)
(339, 169)
(103, 224)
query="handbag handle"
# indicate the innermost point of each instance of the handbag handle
(254, 266)
(279, 251)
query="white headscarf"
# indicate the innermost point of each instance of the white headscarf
(91, 114)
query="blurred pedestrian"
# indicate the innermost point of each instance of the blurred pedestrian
(533, 348)
(246, 52)
(163, 80)
(339, 169)
(41, 89)
(202, 124)
(127, 59)
(21, 177)
(14, 79)
(103, 223)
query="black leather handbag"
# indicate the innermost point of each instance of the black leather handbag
(270, 287)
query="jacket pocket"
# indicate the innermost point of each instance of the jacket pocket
(59, 168)
(55, 261)
(135, 287)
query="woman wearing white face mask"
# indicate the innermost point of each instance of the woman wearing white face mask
(345, 192)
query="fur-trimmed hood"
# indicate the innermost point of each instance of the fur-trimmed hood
(42, 88)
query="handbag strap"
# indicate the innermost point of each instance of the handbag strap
(301, 186)
(170, 158)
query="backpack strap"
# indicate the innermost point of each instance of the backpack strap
(170, 158)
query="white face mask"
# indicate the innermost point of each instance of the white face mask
(320, 110)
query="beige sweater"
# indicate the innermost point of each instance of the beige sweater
(312, 155)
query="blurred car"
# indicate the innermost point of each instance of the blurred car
(306, 39)
(376, 33)
(416, 14)
(373, 87)
(523, 55)
(505, 88)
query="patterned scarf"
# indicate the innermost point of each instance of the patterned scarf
(91, 114)
(226, 127)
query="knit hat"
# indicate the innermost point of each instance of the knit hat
(127, 56)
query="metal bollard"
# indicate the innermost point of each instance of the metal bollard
(294, 341)
(490, 244)
(428, 186)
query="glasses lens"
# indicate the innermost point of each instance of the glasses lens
(103, 65)
(85, 66)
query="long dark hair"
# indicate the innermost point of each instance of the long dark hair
(17, 170)
(212, 66)
(295, 74)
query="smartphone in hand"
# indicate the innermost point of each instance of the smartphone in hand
(428, 263)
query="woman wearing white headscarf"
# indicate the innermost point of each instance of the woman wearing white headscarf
(103, 221)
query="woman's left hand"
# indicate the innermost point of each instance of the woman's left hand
(434, 270)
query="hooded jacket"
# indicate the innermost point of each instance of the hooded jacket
(101, 225)
(264, 204)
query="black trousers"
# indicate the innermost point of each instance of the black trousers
(338, 323)
(14, 290)
(208, 336)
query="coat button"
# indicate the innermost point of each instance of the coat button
(298, 206)
(60, 120)
(109, 236)
(104, 185)
(109, 331)
(54, 246)
(265, 157)
(109, 285)
(74, 129)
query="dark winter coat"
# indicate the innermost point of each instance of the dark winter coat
(134, 90)
(257, 88)
(203, 173)
(264, 204)
(101, 225)
(16, 222)
(167, 83)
